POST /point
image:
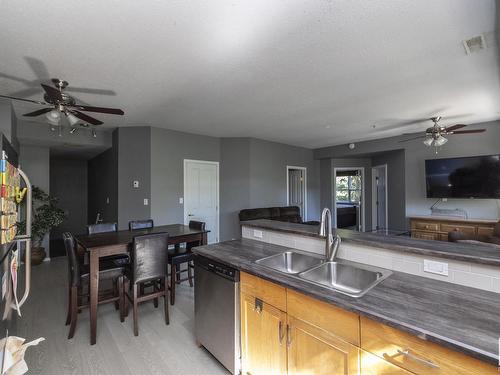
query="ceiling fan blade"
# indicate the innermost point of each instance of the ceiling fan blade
(38, 112)
(469, 131)
(52, 93)
(86, 118)
(455, 127)
(112, 111)
(24, 100)
(84, 90)
(411, 139)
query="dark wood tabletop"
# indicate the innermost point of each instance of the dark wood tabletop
(127, 236)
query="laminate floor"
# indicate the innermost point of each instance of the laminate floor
(159, 349)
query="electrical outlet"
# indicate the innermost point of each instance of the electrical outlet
(181, 200)
(439, 268)
(146, 201)
(107, 200)
(136, 184)
(257, 233)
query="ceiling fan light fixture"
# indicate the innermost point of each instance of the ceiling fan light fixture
(73, 120)
(94, 133)
(428, 142)
(54, 117)
(73, 130)
(439, 141)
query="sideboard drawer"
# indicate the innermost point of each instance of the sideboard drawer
(422, 225)
(466, 229)
(416, 355)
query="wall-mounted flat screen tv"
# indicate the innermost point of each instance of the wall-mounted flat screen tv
(470, 177)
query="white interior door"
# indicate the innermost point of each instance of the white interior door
(297, 189)
(201, 195)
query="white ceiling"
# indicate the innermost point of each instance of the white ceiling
(308, 73)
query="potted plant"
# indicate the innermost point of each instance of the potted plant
(46, 215)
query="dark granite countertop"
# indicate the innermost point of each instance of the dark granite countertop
(461, 318)
(483, 254)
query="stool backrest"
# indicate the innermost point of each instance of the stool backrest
(200, 225)
(102, 228)
(73, 264)
(149, 257)
(140, 224)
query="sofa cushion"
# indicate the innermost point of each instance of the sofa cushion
(255, 213)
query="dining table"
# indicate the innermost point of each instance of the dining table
(100, 245)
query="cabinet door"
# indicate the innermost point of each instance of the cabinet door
(312, 351)
(263, 338)
(373, 365)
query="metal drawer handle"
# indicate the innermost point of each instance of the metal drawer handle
(415, 358)
(281, 332)
(288, 335)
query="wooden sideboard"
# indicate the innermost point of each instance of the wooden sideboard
(438, 227)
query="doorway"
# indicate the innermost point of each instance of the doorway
(379, 198)
(201, 195)
(348, 198)
(296, 187)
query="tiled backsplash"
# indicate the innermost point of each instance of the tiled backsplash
(473, 275)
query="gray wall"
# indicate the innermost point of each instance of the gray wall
(134, 164)
(103, 184)
(253, 174)
(234, 184)
(396, 191)
(415, 155)
(169, 148)
(68, 183)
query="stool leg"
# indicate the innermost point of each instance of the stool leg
(190, 274)
(74, 312)
(136, 325)
(68, 316)
(165, 301)
(156, 286)
(126, 287)
(121, 301)
(173, 271)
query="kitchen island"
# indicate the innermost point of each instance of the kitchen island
(455, 327)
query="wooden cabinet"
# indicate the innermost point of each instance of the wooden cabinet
(305, 336)
(437, 228)
(263, 336)
(416, 355)
(313, 351)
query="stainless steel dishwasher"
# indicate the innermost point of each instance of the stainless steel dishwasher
(217, 311)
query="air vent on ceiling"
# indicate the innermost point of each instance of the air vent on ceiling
(474, 44)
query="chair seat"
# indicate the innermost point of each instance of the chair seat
(180, 255)
(118, 260)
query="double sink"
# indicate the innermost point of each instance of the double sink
(345, 277)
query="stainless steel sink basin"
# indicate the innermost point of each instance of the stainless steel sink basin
(344, 277)
(290, 262)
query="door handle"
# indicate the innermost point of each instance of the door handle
(281, 332)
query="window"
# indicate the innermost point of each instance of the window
(348, 188)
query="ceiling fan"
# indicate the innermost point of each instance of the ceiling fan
(435, 135)
(58, 102)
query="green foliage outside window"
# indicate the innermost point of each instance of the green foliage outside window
(348, 189)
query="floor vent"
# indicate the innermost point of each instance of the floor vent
(474, 44)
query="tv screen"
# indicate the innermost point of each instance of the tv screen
(471, 177)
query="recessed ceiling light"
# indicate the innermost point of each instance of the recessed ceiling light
(94, 133)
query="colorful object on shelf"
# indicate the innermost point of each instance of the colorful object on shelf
(9, 193)
(20, 193)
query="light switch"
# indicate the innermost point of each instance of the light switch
(439, 268)
(107, 200)
(146, 201)
(136, 184)
(181, 200)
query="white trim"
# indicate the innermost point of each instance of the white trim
(363, 205)
(186, 219)
(288, 167)
(374, 200)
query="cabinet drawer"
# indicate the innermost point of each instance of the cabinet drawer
(417, 355)
(422, 225)
(484, 232)
(426, 235)
(466, 229)
(341, 323)
(373, 365)
(271, 293)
